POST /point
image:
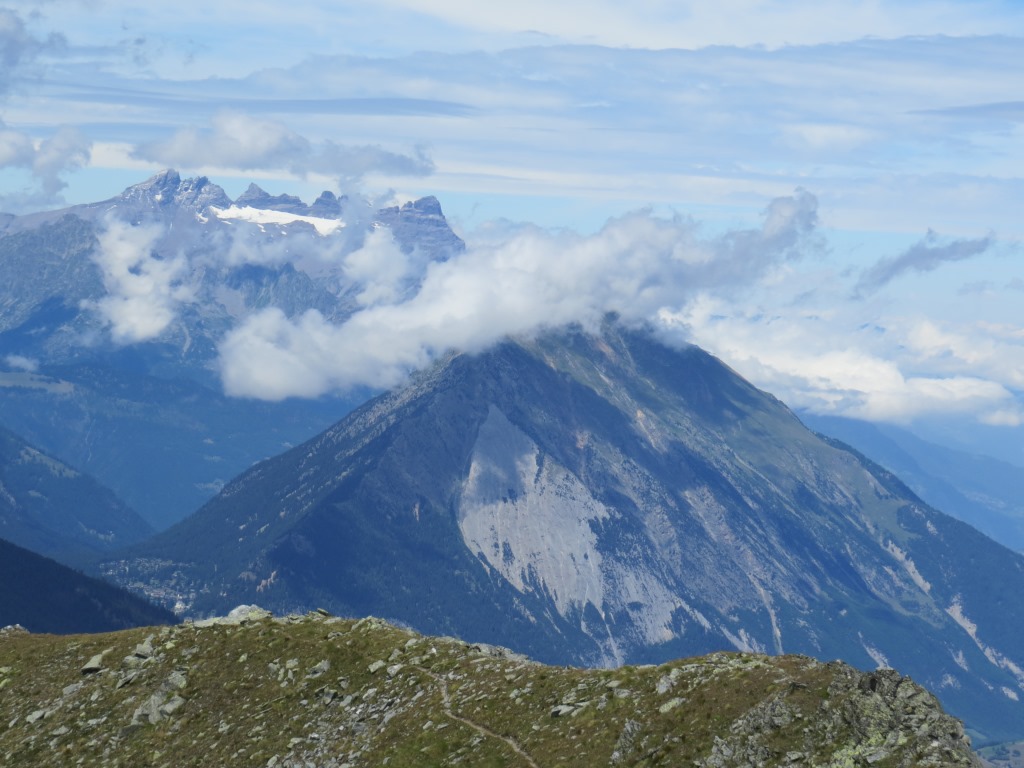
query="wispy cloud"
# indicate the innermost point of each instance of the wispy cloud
(48, 162)
(19, 47)
(239, 141)
(927, 255)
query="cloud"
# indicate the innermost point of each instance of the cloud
(693, 24)
(636, 265)
(144, 288)
(16, 148)
(924, 256)
(240, 141)
(828, 361)
(66, 151)
(18, 47)
(383, 272)
(22, 363)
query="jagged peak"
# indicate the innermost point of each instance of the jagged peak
(167, 189)
(425, 206)
(256, 197)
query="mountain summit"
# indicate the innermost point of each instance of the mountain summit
(112, 315)
(603, 499)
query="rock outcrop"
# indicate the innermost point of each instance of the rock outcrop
(254, 690)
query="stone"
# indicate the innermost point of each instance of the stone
(318, 670)
(36, 716)
(149, 711)
(93, 665)
(171, 706)
(669, 705)
(177, 680)
(144, 650)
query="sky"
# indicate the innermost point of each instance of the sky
(827, 195)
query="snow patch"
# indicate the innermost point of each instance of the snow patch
(262, 217)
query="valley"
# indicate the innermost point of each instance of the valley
(594, 495)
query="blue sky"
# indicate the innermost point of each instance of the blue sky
(903, 122)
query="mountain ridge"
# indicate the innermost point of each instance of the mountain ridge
(46, 596)
(122, 406)
(689, 511)
(50, 508)
(253, 689)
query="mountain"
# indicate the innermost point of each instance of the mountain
(45, 596)
(50, 508)
(602, 499)
(982, 491)
(112, 313)
(250, 689)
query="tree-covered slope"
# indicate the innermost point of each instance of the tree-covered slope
(44, 596)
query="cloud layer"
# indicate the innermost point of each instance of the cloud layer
(636, 265)
(243, 142)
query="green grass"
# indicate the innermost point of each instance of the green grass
(302, 689)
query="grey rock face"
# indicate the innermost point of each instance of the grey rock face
(421, 224)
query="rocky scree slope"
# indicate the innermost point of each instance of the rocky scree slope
(253, 690)
(604, 499)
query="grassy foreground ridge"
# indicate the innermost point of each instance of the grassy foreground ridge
(255, 690)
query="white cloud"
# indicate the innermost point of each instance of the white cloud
(635, 265)
(66, 151)
(16, 149)
(993, 350)
(381, 269)
(692, 23)
(243, 142)
(22, 363)
(19, 46)
(822, 357)
(144, 289)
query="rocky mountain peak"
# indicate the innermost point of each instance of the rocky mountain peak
(167, 190)
(328, 205)
(421, 223)
(256, 197)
